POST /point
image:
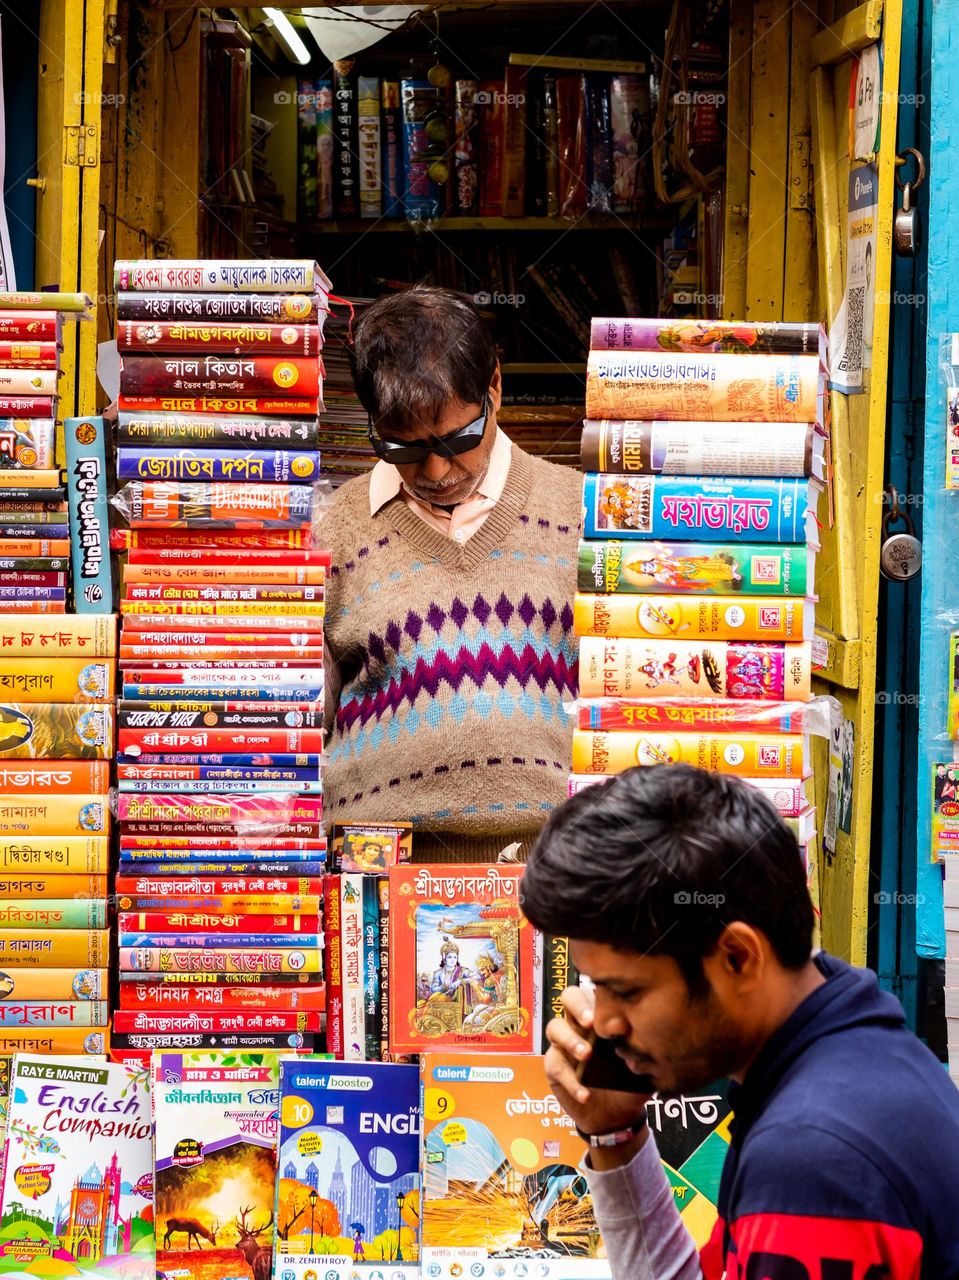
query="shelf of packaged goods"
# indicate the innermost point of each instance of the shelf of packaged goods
(587, 222)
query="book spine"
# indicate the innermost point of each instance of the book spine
(59, 855)
(28, 445)
(34, 548)
(55, 948)
(67, 680)
(514, 142)
(217, 464)
(290, 925)
(56, 984)
(182, 605)
(244, 1022)
(392, 128)
(490, 100)
(245, 405)
(203, 276)
(333, 956)
(705, 336)
(42, 326)
(371, 969)
(213, 759)
(325, 147)
(269, 575)
(54, 913)
(85, 442)
(238, 1041)
(156, 997)
(599, 160)
(370, 146)
(24, 495)
(627, 385)
(345, 174)
(652, 669)
(559, 972)
(269, 907)
(629, 112)
(164, 504)
(61, 815)
(306, 192)
(698, 448)
(35, 608)
(708, 618)
(36, 594)
(237, 338)
(27, 382)
(218, 960)
(292, 308)
(351, 932)
(73, 638)
(218, 540)
(212, 374)
(212, 867)
(571, 139)
(466, 155)
(50, 777)
(239, 812)
(227, 891)
(34, 887)
(28, 406)
(551, 144)
(715, 714)
(421, 196)
(249, 693)
(709, 510)
(663, 567)
(746, 755)
(60, 1040)
(383, 907)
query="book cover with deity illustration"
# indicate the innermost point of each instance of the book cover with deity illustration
(461, 960)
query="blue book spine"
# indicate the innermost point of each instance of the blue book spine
(273, 466)
(371, 968)
(422, 198)
(221, 786)
(34, 530)
(137, 856)
(89, 514)
(696, 508)
(201, 692)
(33, 593)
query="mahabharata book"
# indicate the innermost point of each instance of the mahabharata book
(211, 276)
(179, 430)
(214, 374)
(56, 731)
(78, 1177)
(61, 855)
(28, 444)
(60, 680)
(655, 567)
(351, 1132)
(231, 338)
(703, 448)
(461, 960)
(45, 948)
(624, 385)
(708, 510)
(54, 984)
(690, 617)
(56, 815)
(275, 308)
(695, 336)
(749, 755)
(649, 669)
(217, 1122)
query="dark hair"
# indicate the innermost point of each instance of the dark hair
(414, 353)
(659, 859)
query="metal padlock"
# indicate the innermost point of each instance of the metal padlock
(906, 227)
(900, 557)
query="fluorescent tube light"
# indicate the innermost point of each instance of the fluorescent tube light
(288, 36)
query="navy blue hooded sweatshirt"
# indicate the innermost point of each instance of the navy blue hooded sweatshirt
(844, 1161)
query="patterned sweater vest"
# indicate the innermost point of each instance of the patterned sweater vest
(449, 664)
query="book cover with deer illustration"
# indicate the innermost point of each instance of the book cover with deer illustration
(348, 1194)
(462, 956)
(78, 1170)
(216, 1133)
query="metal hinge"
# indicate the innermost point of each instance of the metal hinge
(800, 172)
(81, 145)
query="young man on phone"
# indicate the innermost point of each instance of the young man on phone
(684, 896)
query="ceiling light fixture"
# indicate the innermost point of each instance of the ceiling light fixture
(288, 36)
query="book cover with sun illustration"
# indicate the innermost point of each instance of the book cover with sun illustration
(348, 1192)
(501, 1170)
(461, 960)
(217, 1125)
(78, 1172)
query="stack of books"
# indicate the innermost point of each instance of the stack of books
(703, 452)
(344, 435)
(56, 744)
(221, 658)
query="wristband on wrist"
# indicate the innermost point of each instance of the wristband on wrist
(614, 1137)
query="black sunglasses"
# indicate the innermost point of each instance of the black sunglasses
(462, 440)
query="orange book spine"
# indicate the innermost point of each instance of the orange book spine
(53, 855)
(690, 617)
(60, 680)
(34, 546)
(64, 815)
(209, 574)
(54, 984)
(748, 755)
(93, 636)
(85, 1040)
(54, 777)
(46, 885)
(55, 948)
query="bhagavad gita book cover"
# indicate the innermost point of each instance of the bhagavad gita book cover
(348, 1195)
(217, 1122)
(78, 1179)
(461, 960)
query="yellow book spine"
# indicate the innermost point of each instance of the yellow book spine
(55, 948)
(45, 886)
(690, 617)
(59, 680)
(748, 755)
(54, 984)
(54, 816)
(69, 636)
(85, 1040)
(61, 855)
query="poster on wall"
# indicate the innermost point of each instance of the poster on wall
(851, 332)
(8, 280)
(865, 98)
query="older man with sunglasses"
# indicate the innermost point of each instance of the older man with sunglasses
(449, 639)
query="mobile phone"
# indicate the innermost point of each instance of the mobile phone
(605, 1069)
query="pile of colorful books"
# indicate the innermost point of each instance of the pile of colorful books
(704, 456)
(221, 656)
(344, 435)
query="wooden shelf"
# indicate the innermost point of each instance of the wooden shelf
(588, 222)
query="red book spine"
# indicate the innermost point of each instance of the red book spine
(221, 540)
(28, 407)
(287, 923)
(34, 606)
(157, 998)
(211, 886)
(235, 339)
(28, 355)
(309, 593)
(216, 375)
(142, 623)
(174, 827)
(268, 405)
(175, 843)
(37, 326)
(281, 741)
(333, 960)
(490, 103)
(257, 639)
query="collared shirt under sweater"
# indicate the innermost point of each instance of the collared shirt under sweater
(449, 662)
